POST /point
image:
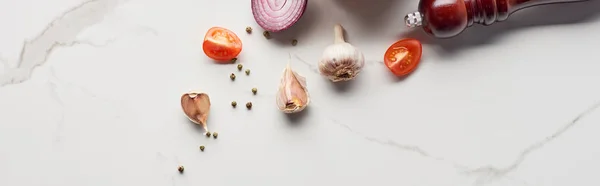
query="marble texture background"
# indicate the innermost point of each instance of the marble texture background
(90, 96)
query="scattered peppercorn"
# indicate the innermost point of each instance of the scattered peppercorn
(215, 134)
(267, 34)
(234, 60)
(249, 105)
(233, 104)
(249, 29)
(202, 147)
(240, 66)
(207, 134)
(232, 76)
(254, 90)
(247, 71)
(180, 169)
(294, 42)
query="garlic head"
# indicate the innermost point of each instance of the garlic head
(292, 95)
(196, 106)
(341, 61)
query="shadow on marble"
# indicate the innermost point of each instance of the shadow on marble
(396, 79)
(534, 17)
(390, 76)
(343, 86)
(194, 126)
(369, 13)
(296, 119)
(305, 25)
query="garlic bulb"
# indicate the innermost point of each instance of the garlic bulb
(341, 61)
(292, 96)
(196, 106)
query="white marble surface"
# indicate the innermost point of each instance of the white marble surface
(90, 96)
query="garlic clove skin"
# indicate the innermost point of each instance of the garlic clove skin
(341, 61)
(292, 95)
(196, 106)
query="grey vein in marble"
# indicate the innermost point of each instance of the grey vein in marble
(411, 148)
(4, 62)
(484, 174)
(391, 143)
(60, 123)
(61, 30)
(55, 84)
(488, 173)
(313, 67)
(309, 65)
(404, 147)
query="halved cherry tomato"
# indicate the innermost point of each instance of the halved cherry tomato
(221, 44)
(403, 57)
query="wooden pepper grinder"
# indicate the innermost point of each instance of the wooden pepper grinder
(448, 18)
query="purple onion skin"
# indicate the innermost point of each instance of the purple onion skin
(271, 25)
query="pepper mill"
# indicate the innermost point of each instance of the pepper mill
(448, 18)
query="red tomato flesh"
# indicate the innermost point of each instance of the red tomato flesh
(221, 44)
(403, 56)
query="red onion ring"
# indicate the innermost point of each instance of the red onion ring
(277, 15)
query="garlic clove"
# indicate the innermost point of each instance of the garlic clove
(292, 96)
(196, 106)
(341, 61)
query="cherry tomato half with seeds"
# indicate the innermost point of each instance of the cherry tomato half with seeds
(403, 56)
(221, 44)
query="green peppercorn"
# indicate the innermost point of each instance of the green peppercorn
(267, 34)
(180, 169)
(249, 29)
(240, 66)
(207, 134)
(249, 105)
(294, 42)
(247, 71)
(215, 135)
(232, 76)
(254, 90)
(233, 60)
(202, 147)
(233, 104)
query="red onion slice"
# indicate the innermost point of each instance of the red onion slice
(277, 15)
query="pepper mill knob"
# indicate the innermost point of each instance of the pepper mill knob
(414, 19)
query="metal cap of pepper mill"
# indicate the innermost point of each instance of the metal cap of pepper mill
(414, 19)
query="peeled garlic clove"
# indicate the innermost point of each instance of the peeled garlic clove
(341, 61)
(196, 106)
(292, 96)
